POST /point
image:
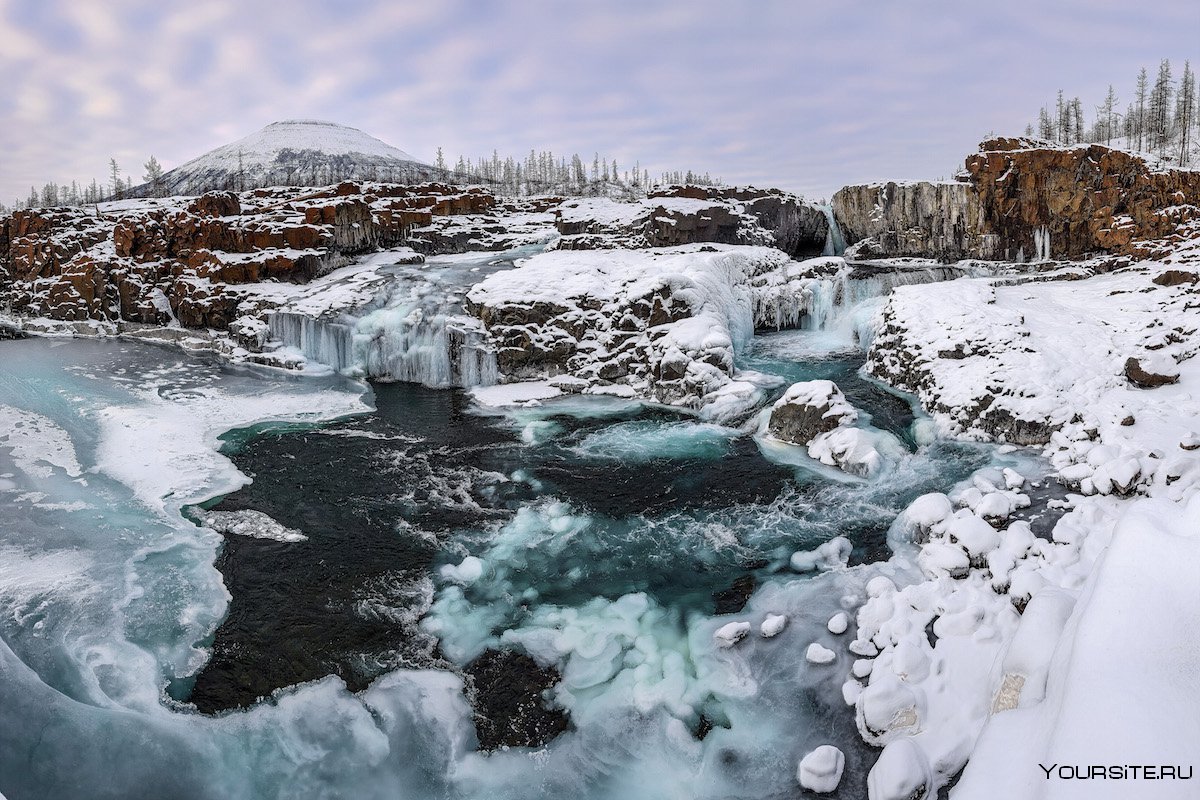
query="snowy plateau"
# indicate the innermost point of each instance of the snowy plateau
(390, 487)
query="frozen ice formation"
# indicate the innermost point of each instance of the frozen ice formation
(251, 523)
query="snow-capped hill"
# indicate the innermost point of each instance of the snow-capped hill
(291, 153)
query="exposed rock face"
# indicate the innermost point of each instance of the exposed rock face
(1021, 198)
(930, 220)
(508, 697)
(680, 215)
(179, 258)
(809, 409)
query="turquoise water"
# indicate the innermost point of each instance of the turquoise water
(600, 537)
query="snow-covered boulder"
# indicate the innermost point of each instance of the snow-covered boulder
(818, 653)
(808, 409)
(821, 770)
(773, 625)
(851, 450)
(731, 633)
(901, 773)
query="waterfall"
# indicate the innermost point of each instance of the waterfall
(329, 341)
(420, 345)
(846, 304)
(835, 243)
(415, 331)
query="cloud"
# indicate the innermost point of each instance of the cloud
(807, 96)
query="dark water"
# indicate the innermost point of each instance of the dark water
(387, 497)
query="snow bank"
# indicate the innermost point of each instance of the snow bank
(1125, 672)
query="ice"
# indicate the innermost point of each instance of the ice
(37, 444)
(821, 770)
(467, 571)
(511, 394)
(251, 523)
(833, 553)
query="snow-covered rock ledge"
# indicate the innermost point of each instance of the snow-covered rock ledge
(663, 324)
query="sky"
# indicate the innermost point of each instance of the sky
(800, 95)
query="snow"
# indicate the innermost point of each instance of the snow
(515, 394)
(1125, 671)
(821, 770)
(838, 623)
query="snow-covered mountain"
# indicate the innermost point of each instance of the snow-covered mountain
(292, 153)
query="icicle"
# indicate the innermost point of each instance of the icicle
(1041, 244)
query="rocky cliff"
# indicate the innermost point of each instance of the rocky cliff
(1020, 199)
(177, 259)
(680, 215)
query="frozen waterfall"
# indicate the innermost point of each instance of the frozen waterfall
(415, 331)
(328, 341)
(835, 242)
(846, 303)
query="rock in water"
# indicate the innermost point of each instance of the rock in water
(808, 409)
(821, 770)
(510, 709)
(733, 599)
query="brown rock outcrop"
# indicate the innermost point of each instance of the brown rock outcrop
(177, 256)
(1021, 198)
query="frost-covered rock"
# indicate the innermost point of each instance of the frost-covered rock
(816, 414)
(665, 323)
(682, 215)
(821, 769)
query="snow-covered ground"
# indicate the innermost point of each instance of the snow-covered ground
(1062, 651)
